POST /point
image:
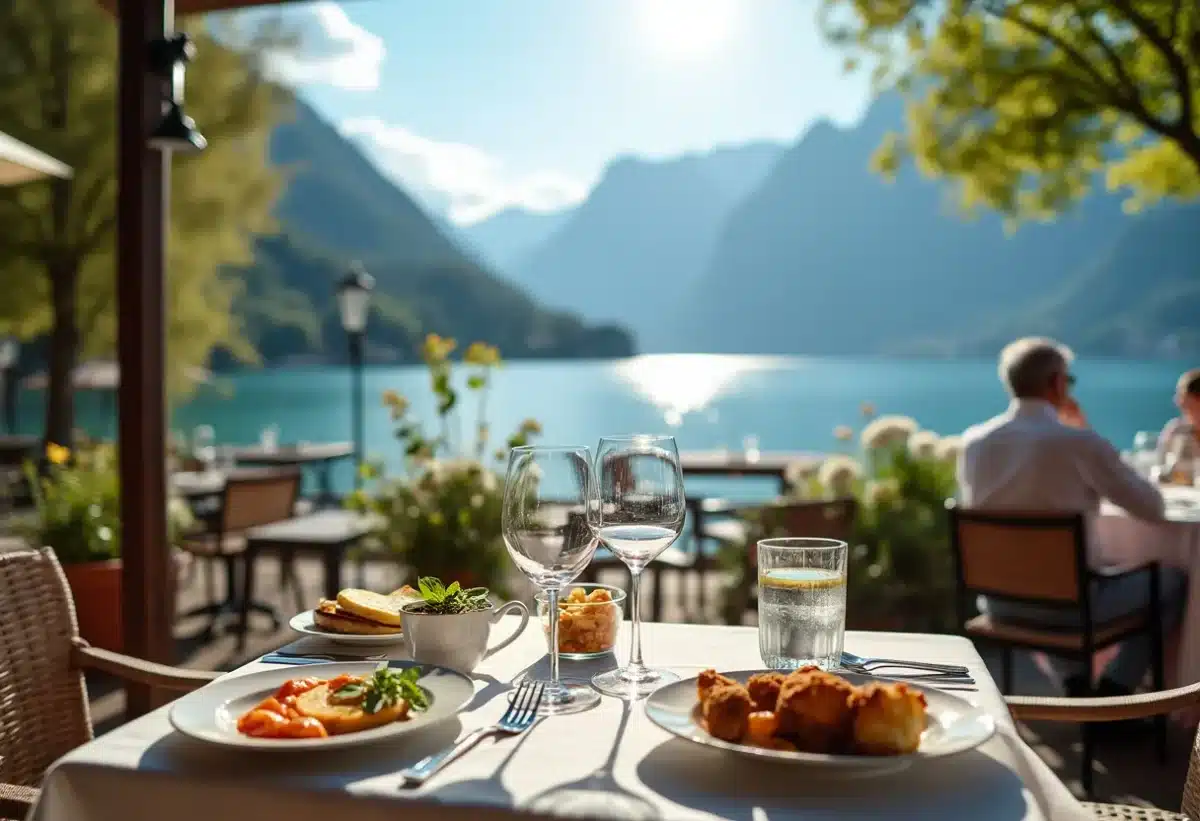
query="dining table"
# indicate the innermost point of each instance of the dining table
(1174, 542)
(608, 762)
(774, 464)
(317, 456)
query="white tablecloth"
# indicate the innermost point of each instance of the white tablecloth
(1176, 543)
(607, 762)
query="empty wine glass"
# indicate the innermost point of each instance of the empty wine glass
(549, 496)
(640, 514)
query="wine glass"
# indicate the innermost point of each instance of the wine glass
(640, 514)
(549, 494)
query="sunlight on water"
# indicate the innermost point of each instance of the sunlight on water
(679, 384)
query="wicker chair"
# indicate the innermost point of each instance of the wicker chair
(43, 699)
(1143, 705)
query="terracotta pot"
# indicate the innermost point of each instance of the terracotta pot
(96, 589)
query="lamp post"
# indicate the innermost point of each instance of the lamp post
(8, 359)
(354, 305)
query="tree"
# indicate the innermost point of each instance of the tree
(1025, 102)
(58, 86)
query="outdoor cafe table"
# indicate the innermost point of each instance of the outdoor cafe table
(767, 463)
(610, 757)
(1175, 543)
(318, 455)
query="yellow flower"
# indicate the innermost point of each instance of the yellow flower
(868, 410)
(57, 453)
(531, 427)
(396, 403)
(437, 349)
(481, 353)
(843, 433)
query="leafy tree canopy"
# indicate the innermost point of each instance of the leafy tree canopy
(1027, 102)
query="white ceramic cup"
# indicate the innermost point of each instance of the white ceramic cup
(458, 641)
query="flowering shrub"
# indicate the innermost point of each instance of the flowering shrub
(442, 516)
(900, 572)
(77, 500)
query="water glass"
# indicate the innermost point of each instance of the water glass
(801, 602)
(640, 513)
(549, 498)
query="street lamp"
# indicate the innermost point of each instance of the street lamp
(8, 359)
(354, 305)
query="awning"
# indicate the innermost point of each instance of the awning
(19, 163)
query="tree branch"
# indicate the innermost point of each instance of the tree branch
(1186, 127)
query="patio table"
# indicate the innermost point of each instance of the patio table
(319, 456)
(609, 762)
(1124, 539)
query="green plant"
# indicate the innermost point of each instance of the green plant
(442, 515)
(443, 600)
(77, 501)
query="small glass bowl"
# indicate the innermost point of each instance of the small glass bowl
(586, 629)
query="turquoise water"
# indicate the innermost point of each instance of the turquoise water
(707, 401)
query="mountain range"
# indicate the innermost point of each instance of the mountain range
(802, 249)
(336, 207)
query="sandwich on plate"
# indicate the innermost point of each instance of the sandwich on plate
(364, 613)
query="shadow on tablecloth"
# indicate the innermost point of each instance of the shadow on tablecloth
(969, 786)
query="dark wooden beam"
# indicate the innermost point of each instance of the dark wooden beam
(141, 250)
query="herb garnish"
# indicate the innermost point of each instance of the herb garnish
(442, 600)
(386, 687)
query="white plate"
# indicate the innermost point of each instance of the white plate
(211, 713)
(304, 623)
(954, 726)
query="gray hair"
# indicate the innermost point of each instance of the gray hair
(1028, 365)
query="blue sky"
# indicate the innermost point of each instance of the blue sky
(475, 105)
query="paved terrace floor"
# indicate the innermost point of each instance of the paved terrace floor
(1127, 769)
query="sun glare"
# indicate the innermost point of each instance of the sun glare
(686, 29)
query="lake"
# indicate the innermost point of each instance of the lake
(707, 401)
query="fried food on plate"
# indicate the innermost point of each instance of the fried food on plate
(815, 709)
(707, 680)
(727, 711)
(888, 719)
(764, 689)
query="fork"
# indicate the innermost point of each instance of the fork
(849, 660)
(519, 717)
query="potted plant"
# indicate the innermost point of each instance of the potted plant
(77, 502)
(442, 516)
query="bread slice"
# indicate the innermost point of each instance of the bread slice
(346, 718)
(328, 616)
(374, 607)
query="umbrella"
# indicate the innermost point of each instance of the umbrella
(19, 163)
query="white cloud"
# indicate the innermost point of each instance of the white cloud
(462, 181)
(333, 50)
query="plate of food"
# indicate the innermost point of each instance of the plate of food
(357, 617)
(845, 721)
(331, 705)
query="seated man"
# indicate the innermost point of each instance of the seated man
(1040, 455)
(1180, 439)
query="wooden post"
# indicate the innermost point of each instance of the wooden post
(141, 248)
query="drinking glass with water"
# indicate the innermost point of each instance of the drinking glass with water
(801, 602)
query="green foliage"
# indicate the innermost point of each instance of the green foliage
(439, 599)
(1025, 101)
(58, 91)
(387, 687)
(443, 515)
(77, 500)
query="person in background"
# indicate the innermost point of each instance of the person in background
(1040, 455)
(1180, 439)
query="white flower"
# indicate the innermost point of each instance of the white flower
(948, 449)
(887, 432)
(924, 444)
(800, 471)
(477, 500)
(838, 474)
(881, 492)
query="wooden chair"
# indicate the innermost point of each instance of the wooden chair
(1142, 705)
(1040, 559)
(249, 500)
(43, 699)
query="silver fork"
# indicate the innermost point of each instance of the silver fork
(851, 660)
(519, 717)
